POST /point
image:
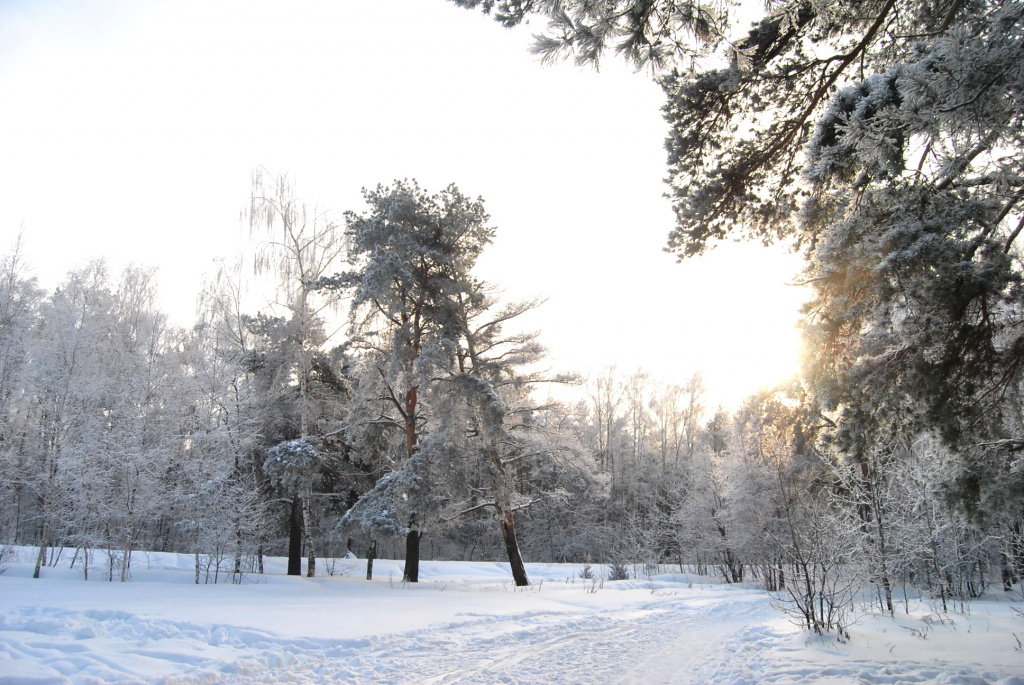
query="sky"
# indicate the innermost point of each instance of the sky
(130, 131)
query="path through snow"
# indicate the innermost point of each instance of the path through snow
(467, 626)
(621, 645)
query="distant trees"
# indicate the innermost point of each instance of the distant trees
(119, 430)
(99, 416)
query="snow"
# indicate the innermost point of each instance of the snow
(466, 622)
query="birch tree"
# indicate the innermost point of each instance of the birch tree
(302, 246)
(20, 299)
(68, 410)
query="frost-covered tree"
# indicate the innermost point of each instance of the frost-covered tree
(70, 391)
(604, 394)
(638, 417)
(915, 175)
(20, 299)
(103, 401)
(436, 347)
(487, 413)
(411, 254)
(302, 245)
(647, 34)
(743, 103)
(142, 413)
(295, 465)
(222, 506)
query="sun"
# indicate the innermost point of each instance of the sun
(741, 331)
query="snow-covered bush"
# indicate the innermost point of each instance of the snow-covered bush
(617, 570)
(823, 581)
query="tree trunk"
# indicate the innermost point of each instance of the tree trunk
(515, 559)
(411, 434)
(195, 548)
(504, 488)
(236, 573)
(371, 554)
(1007, 573)
(307, 528)
(412, 557)
(412, 538)
(126, 561)
(874, 510)
(40, 559)
(295, 540)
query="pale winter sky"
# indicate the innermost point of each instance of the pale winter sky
(130, 130)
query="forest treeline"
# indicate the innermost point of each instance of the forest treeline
(882, 139)
(429, 430)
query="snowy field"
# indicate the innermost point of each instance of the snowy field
(465, 623)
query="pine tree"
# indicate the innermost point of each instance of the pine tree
(411, 254)
(916, 176)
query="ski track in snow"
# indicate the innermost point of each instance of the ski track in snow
(536, 647)
(684, 636)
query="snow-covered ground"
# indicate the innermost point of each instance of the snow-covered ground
(465, 623)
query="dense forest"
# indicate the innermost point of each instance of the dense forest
(880, 138)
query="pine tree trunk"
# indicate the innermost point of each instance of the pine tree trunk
(371, 554)
(515, 559)
(295, 540)
(412, 557)
(504, 488)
